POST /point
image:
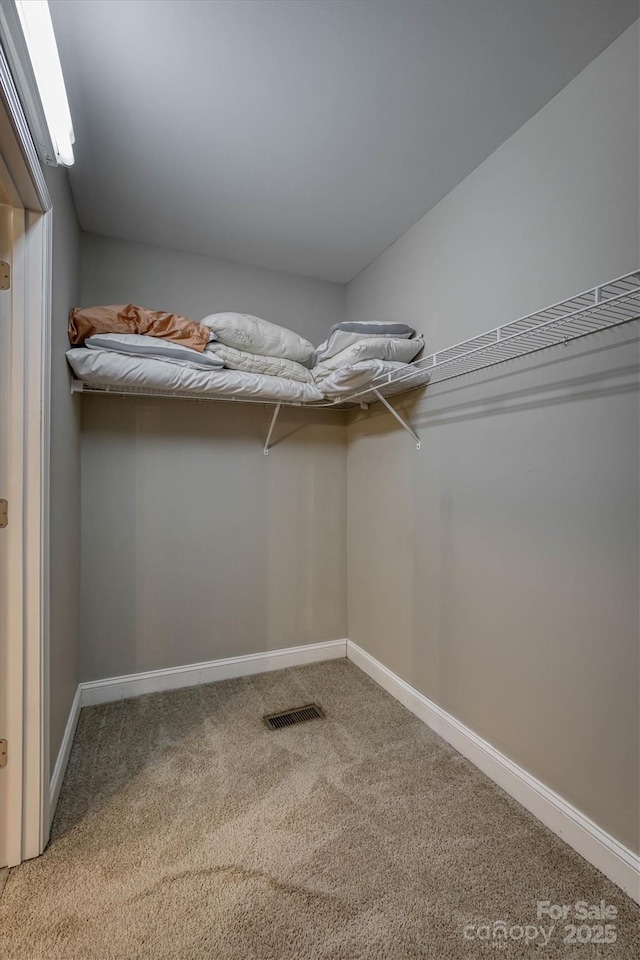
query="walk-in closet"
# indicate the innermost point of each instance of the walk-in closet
(319, 479)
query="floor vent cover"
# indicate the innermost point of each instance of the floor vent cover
(286, 718)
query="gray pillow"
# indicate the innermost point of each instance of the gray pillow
(347, 333)
(379, 329)
(141, 345)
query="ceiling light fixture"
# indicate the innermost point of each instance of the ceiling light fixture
(37, 27)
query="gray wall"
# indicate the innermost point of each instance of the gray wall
(195, 545)
(118, 271)
(65, 466)
(497, 569)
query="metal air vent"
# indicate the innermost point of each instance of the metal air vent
(287, 718)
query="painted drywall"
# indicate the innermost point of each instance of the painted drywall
(118, 271)
(496, 569)
(64, 544)
(196, 546)
(327, 128)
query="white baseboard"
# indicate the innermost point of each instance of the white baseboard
(616, 861)
(63, 755)
(121, 688)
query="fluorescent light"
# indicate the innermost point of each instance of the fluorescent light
(40, 39)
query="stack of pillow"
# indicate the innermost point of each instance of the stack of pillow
(244, 342)
(351, 343)
(354, 354)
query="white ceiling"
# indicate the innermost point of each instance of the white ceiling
(304, 135)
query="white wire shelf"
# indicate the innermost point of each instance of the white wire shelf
(115, 390)
(597, 309)
(593, 311)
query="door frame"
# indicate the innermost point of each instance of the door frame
(24, 782)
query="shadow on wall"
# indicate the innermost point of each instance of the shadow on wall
(503, 561)
(425, 407)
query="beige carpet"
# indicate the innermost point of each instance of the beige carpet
(188, 830)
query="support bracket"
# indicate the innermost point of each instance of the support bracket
(394, 413)
(271, 426)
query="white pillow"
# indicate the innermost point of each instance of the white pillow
(358, 376)
(141, 345)
(370, 348)
(244, 332)
(343, 335)
(273, 366)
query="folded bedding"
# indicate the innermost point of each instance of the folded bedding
(232, 355)
(347, 333)
(369, 348)
(360, 375)
(140, 345)
(108, 368)
(259, 337)
(253, 363)
(85, 322)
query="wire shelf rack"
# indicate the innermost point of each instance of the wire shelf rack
(597, 309)
(115, 390)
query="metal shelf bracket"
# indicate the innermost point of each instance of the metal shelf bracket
(271, 426)
(394, 413)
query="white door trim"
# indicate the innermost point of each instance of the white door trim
(11, 606)
(24, 781)
(37, 392)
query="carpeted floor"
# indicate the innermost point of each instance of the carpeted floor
(188, 830)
